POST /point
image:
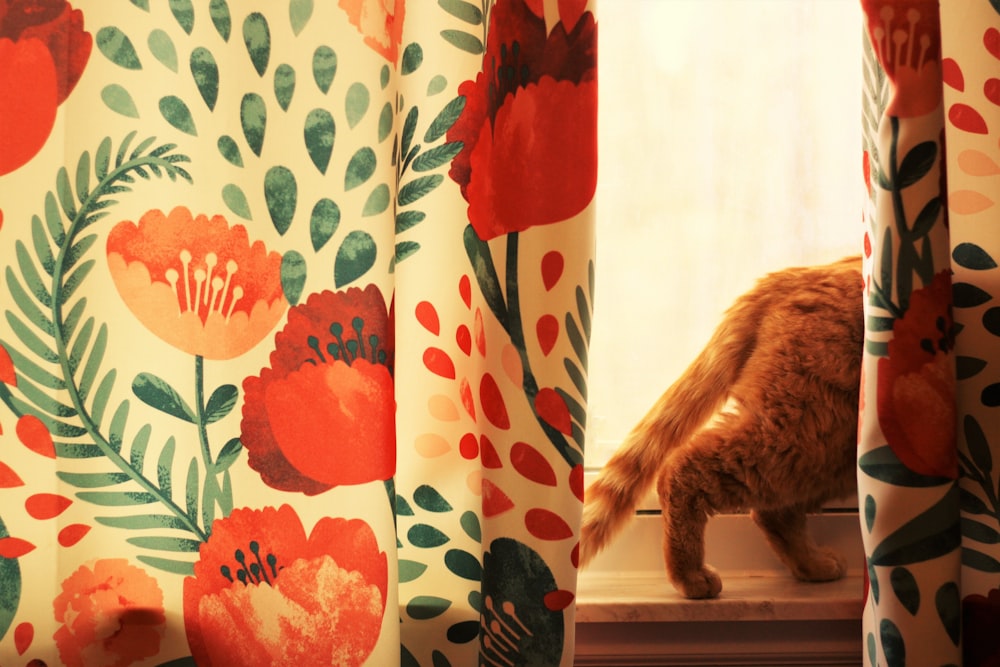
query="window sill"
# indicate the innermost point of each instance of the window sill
(629, 614)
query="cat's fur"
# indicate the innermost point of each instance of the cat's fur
(787, 357)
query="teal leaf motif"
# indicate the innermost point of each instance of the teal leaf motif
(117, 47)
(973, 257)
(221, 403)
(437, 85)
(882, 464)
(463, 564)
(281, 194)
(402, 507)
(978, 445)
(234, 198)
(427, 498)
(377, 202)
(257, 38)
(118, 100)
(470, 524)
(218, 10)
(323, 222)
(356, 103)
(230, 151)
(284, 85)
(464, 41)
(162, 48)
(967, 295)
(424, 607)
(144, 5)
(979, 532)
(253, 118)
(206, 75)
(977, 560)
(324, 64)
(320, 133)
(870, 508)
(948, 603)
(462, 10)
(157, 393)
(293, 275)
(299, 12)
(405, 249)
(385, 121)
(413, 57)
(916, 164)
(485, 272)
(905, 586)
(971, 503)
(355, 257)
(418, 188)
(183, 12)
(229, 453)
(383, 77)
(360, 168)
(10, 587)
(437, 156)
(931, 534)
(176, 112)
(445, 119)
(410, 570)
(407, 219)
(893, 645)
(425, 536)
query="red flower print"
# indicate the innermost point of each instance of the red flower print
(196, 282)
(264, 594)
(916, 384)
(43, 50)
(906, 36)
(323, 414)
(529, 126)
(381, 23)
(111, 614)
(980, 619)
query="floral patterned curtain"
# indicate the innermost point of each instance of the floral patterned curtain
(293, 356)
(929, 430)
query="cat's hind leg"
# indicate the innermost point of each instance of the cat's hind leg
(785, 530)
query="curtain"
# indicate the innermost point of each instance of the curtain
(929, 427)
(293, 356)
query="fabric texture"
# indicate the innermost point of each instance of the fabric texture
(293, 360)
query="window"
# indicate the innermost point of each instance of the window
(730, 146)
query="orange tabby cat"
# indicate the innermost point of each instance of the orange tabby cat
(787, 358)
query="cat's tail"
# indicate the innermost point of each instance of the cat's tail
(684, 408)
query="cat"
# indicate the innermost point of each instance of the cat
(787, 358)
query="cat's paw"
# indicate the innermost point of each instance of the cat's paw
(824, 564)
(699, 584)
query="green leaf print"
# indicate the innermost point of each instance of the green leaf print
(437, 156)
(977, 560)
(355, 257)
(882, 464)
(418, 188)
(162, 48)
(462, 10)
(356, 103)
(117, 47)
(10, 587)
(234, 198)
(176, 112)
(360, 168)
(293, 275)
(230, 151)
(948, 603)
(973, 257)
(257, 38)
(410, 570)
(413, 57)
(323, 222)
(221, 403)
(407, 219)
(386, 119)
(324, 65)
(378, 201)
(141, 4)
(205, 72)
(320, 133)
(427, 498)
(437, 85)
(118, 100)
(299, 12)
(284, 85)
(907, 591)
(281, 196)
(426, 536)
(931, 534)
(464, 41)
(183, 11)
(253, 119)
(424, 607)
(916, 164)
(218, 11)
(893, 645)
(444, 120)
(463, 564)
(157, 393)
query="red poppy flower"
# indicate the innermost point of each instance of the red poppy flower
(980, 619)
(916, 384)
(906, 37)
(323, 414)
(196, 282)
(529, 126)
(43, 50)
(265, 594)
(111, 614)
(380, 22)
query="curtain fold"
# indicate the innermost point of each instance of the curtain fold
(293, 359)
(929, 428)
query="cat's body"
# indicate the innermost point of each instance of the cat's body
(787, 356)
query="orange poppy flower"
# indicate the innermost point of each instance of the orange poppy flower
(264, 594)
(43, 51)
(916, 384)
(196, 282)
(323, 413)
(111, 614)
(381, 23)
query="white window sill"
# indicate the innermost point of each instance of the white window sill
(629, 614)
